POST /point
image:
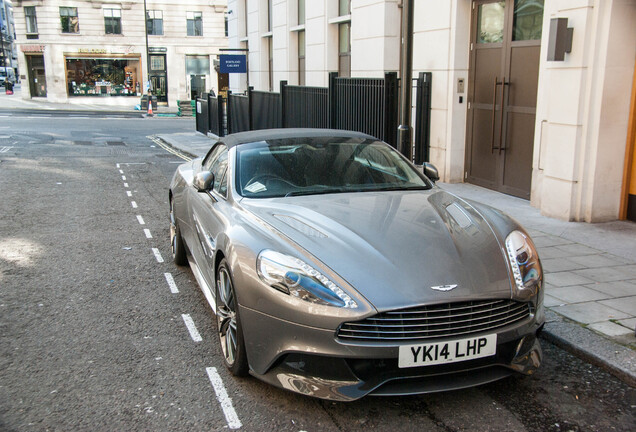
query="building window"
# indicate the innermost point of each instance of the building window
(195, 23)
(31, 22)
(70, 22)
(301, 12)
(344, 49)
(344, 7)
(226, 25)
(154, 22)
(102, 77)
(301, 58)
(112, 21)
(270, 17)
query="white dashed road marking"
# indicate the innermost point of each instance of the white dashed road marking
(123, 178)
(129, 193)
(171, 283)
(157, 255)
(231, 417)
(141, 220)
(194, 333)
(125, 185)
(133, 204)
(147, 232)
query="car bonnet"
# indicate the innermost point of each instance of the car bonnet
(397, 248)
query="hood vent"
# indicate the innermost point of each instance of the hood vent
(300, 226)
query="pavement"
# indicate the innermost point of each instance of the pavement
(121, 104)
(590, 273)
(590, 269)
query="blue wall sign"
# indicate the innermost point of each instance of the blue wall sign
(232, 63)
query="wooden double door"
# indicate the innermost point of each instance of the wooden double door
(503, 77)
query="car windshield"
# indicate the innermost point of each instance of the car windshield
(311, 166)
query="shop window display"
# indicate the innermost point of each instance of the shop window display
(102, 77)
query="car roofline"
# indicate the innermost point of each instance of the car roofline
(286, 133)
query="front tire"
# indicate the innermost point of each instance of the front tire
(176, 241)
(228, 323)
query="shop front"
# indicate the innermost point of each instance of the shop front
(103, 75)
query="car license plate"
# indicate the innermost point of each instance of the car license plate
(447, 352)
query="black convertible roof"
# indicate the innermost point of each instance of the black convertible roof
(274, 134)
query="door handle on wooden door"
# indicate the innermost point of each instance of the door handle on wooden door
(501, 120)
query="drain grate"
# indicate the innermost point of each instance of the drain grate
(115, 143)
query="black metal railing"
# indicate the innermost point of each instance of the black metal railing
(368, 105)
(304, 107)
(215, 115)
(265, 110)
(238, 113)
(422, 127)
(201, 120)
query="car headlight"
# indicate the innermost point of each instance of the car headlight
(295, 277)
(525, 265)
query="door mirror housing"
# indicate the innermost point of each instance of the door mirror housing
(431, 172)
(203, 181)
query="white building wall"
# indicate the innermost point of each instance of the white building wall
(441, 43)
(582, 111)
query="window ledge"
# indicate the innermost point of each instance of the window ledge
(298, 28)
(340, 19)
(244, 39)
(267, 35)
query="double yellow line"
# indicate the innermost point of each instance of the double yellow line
(169, 149)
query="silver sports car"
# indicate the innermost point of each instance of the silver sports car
(337, 269)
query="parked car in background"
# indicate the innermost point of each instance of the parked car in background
(337, 269)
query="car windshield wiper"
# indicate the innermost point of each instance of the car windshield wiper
(317, 191)
(397, 188)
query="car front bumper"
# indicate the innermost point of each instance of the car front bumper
(314, 362)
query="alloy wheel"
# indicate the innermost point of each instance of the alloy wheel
(226, 316)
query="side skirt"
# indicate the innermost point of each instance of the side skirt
(207, 291)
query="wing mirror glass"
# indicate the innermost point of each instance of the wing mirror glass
(203, 181)
(431, 172)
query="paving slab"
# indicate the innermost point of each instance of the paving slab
(590, 312)
(576, 249)
(615, 289)
(553, 265)
(603, 274)
(623, 304)
(577, 294)
(611, 329)
(595, 261)
(566, 279)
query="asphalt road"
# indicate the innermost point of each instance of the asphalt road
(99, 330)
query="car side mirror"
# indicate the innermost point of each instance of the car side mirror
(431, 172)
(203, 181)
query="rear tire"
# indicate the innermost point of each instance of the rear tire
(179, 255)
(228, 323)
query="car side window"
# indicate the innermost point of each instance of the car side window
(223, 184)
(218, 168)
(211, 158)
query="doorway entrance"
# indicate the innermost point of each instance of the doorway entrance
(37, 75)
(504, 72)
(159, 77)
(197, 86)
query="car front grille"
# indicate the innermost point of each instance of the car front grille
(436, 321)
